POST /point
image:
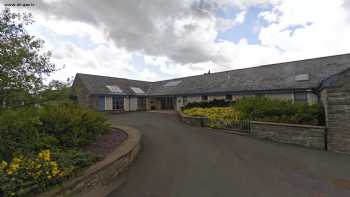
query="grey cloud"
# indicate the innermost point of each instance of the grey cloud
(347, 7)
(140, 25)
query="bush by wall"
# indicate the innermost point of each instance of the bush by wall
(260, 109)
(265, 109)
(217, 116)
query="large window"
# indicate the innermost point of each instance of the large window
(141, 103)
(205, 98)
(185, 100)
(300, 97)
(117, 103)
(228, 98)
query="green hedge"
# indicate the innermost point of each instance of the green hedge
(265, 109)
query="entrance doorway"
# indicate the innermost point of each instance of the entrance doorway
(167, 102)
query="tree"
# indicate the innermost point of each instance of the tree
(23, 64)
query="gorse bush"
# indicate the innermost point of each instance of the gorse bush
(214, 113)
(217, 116)
(265, 109)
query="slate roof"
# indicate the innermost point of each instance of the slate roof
(272, 77)
(96, 84)
(333, 80)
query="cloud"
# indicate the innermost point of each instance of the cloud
(180, 38)
(185, 31)
(321, 34)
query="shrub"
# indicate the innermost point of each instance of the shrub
(72, 125)
(217, 116)
(264, 109)
(29, 174)
(48, 127)
(20, 133)
(213, 103)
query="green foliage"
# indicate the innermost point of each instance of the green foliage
(264, 109)
(22, 62)
(72, 125)
(217, 116)
(50, 126)
(64, 129)
(33, 173)
(213, 103)
(42, 132)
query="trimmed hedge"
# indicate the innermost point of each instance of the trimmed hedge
(268, 110)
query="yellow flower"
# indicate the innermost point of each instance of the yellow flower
(45, 155)
(3, 165)
(54, 168)
(13, 167)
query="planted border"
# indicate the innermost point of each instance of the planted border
(103, 172)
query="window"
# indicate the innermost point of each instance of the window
(172, 83)
(302, 77)
(204, 98)
(141, 103)
(137, 90)
(300, 97)
(117, 103)
(185, 100)
(228, 97)
(114, 89)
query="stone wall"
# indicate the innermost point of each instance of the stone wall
(191, 120)
(335, 96)
(302, 135)
(97, 179)
(81, 93)
(338, 119)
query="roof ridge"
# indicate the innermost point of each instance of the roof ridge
(260, 66)
(103, 76)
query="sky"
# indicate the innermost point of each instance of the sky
(162, 39)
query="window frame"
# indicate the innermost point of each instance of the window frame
(185, 100)
(228, 97)
(204, 98)
(117, 103)
(299, 99)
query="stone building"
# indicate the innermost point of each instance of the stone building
(295, 81)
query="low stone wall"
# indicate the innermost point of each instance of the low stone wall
(192, 120)
(302, 135)
(102, 173)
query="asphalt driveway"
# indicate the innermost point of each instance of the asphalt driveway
(178, 160)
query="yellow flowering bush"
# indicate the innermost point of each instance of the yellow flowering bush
(217, 116)
(26, 175)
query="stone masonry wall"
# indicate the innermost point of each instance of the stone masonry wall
(302, 135)
(338, 109)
